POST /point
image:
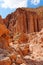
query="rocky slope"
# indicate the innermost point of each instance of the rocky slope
(21, 43)
(27, 49)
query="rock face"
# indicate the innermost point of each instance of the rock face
(1, 20)
(28, 52)
(25, 20)
(17, 47)
(4, 35)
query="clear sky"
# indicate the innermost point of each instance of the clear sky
(8, 6)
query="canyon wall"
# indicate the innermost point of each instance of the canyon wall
(23, 48)
(25, 20)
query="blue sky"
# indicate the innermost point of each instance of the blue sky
(8, 6)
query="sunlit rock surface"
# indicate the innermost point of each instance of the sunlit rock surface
(25, 20)
(21, 41)
(28, 52)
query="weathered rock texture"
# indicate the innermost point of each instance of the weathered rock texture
(22, 48)
(4, 35)
(24, 52)
(25, 20)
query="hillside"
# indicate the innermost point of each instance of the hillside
(21, 37)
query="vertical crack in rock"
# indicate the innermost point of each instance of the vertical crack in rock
(26, 22)
(37, 25)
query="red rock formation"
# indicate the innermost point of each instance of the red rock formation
(29, 53)
(4, 36)
(25, 49)
(25, 20)
(5, 61)
(1, 20)
(20, 38)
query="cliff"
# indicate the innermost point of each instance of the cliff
(25, 20)
(21, 43)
